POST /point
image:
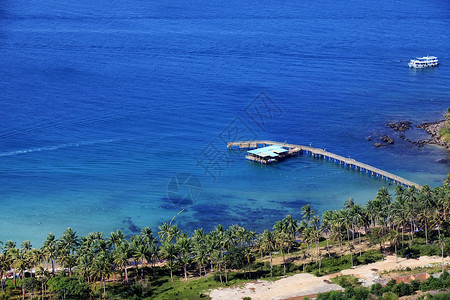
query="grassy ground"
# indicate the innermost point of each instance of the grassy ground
(445, 134)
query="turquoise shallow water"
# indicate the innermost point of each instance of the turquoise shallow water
(103, 103)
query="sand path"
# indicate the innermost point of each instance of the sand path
(307, 284)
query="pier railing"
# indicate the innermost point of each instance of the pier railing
(323, 154)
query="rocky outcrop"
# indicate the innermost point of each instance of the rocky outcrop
(401, 126)
(433, 130)
(387, 139)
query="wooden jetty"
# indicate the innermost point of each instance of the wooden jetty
(331, 157)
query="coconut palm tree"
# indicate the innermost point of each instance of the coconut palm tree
(359, 220)
(50, 250)
(427, 207)
(170, 252)
(184, 244)
(121, 255)
(141, 254)
(5, 266)
(400, 215)
(282, 239)
(9, 245)
(382, 204)
(337, 225)
(290, 225)
(412, 205)
(84, 264)
(153, 251)
(44, 275)
(201, 257)
(393, 236)
(137, 245)
(25, 246)
(217, 260)
(269, 246)
(69, 240)
(101, 268)
(307, 212)
(67, 260)
(116, 238)
(325, 226)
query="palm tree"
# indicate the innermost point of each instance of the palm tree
(141, 254)
(371, 212)
(50, 250)
(170, 252)
(337, 225)
(121, 256)
(84, 264)
(67, 260)
(412, 204)
(116, 238)
(327, 218)
(427, 205)
(393, 236)
(307, 212)
(136, 242)
(269, 246)
(346, 218)
(147, 234)
(184, 245)
(5, 265)
(101, 268)
(447, 180)
(25, 246)
(44, 274)
(359, 220)
(9, 245)
(153, 251)
(282, 239)
(290, 225)
(201, 257)
(382, 204)
(349, 204)
(69, 240)
(217, 259)
(400, 214)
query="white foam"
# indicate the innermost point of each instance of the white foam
(51, 148)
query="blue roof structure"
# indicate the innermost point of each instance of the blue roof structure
(271, 151)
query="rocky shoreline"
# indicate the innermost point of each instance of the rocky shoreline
(400, 127)
(433, 130)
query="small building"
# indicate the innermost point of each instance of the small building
(267, 154)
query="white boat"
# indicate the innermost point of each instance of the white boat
(423, 62)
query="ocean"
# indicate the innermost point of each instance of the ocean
(115, 114)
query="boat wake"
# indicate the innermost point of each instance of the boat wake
(56, 147)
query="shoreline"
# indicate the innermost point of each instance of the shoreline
(432, 128)
(399, 133)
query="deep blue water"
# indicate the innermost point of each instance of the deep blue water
(103, 102)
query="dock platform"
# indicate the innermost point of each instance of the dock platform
(331, 157)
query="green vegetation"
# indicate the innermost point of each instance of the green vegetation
(445, 131)
(175, 265)
(392, 290)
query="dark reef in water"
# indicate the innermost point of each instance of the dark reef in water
(382, 140)
(131, 226)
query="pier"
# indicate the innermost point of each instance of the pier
(348, 163)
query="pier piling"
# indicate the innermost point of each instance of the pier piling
(348, 163)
